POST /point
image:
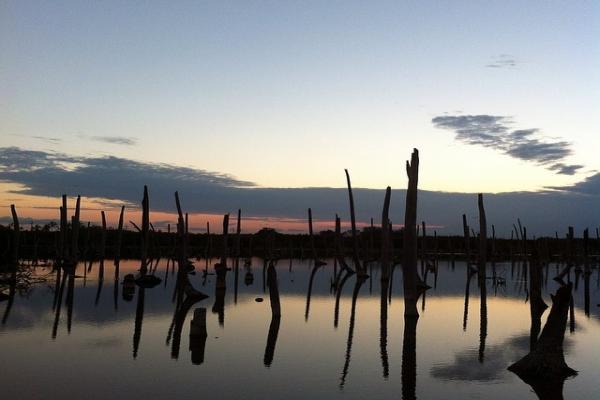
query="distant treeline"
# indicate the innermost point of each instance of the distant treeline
(42, 242)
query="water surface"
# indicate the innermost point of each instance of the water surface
(87, 341)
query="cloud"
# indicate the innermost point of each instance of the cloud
(589, 186)
(122, 140)
(121, 180)
(51, 140)
(493, 131)
(502, 61)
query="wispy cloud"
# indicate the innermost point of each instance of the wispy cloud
(494, 132)
(502, 61)
(122, 140)
(51, 140)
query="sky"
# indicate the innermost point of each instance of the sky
(499, 97)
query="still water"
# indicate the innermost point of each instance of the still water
(90, 340)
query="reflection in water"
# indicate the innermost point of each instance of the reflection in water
(310, 286)
(470, 273)
(383, 328)
(338, 294)
(409, 358)
(275, 314)
(139, 319)
(359, 282)
(448, 354)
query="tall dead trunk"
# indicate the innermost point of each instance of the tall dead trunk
(385, 236)
(119, 235)
(409, 265)
(75, 232)
(359, 268)
(16, 233)
(238, 232)
(145, 231)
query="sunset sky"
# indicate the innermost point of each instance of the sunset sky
(217, 99)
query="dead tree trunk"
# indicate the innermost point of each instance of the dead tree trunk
(103, 239)
(409, 265)
(467, 240)
(547, 361)
(358, 266)
(238, 232)
(119, 235)
(16, 233)
(385, 236)
(145, 230)
(75, 232)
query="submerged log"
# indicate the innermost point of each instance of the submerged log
(546, 361)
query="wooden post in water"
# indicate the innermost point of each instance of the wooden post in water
(409, 264)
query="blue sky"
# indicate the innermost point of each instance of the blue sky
(287, 94)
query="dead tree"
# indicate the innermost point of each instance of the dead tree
(409, 265)
(16, 233)
(119, 235)
(145, 230)
(238, 233)
(103, 238)
(359, 268)
(75, 232)
(385, 236)
(546, 361)
(467, 240)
